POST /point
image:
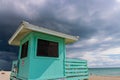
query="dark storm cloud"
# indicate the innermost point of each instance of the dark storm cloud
(69, 17)
(6, 59)
(88, 19)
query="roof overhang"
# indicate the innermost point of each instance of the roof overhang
(26, 28)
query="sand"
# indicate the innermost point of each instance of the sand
(104, 78)
(4, 75)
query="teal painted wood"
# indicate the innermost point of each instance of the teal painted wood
(75, 60)
(35, 67)
(76, 69)
(46, 67)
(24, 63)
(14, 70)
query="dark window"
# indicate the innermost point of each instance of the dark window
(24, 50)
(47, 48)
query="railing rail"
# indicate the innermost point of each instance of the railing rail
(13, 75)
(76, 68)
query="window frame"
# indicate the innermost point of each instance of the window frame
(55, 55)
(24, 53)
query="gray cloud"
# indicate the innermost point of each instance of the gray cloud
(92, 20)
(6, 59)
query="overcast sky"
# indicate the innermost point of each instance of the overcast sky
(97, 22)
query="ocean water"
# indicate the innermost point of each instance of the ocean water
(104, 71)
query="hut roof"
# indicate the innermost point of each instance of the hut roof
(26, 28)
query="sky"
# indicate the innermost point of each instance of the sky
(97, 22)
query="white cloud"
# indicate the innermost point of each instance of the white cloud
(99, 58)
(80, 44)
(108, 39)
(88, 56)
(72, 55)
(92, 40)
(105, 54)
(111, 51)
(118, 1)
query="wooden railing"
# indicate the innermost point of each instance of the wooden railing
(14, 70)
(76, 69)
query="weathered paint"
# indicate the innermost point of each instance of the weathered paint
(76, 69)
(38, 67)
(24, 63)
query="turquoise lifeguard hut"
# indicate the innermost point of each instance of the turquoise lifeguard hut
(42, 55)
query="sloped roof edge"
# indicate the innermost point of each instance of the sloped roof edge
(26, 27)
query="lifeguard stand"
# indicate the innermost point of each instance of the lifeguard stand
(42, 54)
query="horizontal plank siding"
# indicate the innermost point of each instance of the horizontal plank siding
(76, 69)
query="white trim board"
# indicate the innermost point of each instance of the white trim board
(26, 28)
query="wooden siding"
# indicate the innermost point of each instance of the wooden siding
(76, 69)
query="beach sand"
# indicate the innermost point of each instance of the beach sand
(104, 77)
(4, 75)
